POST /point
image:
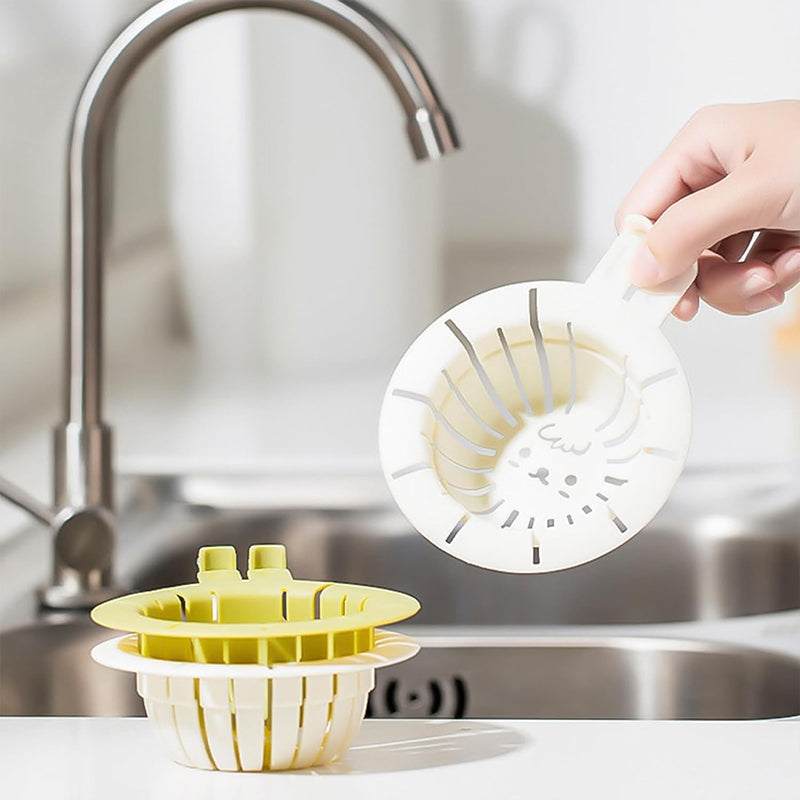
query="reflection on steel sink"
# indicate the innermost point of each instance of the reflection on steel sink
(594, 677)
(688, 565)
(47, 670)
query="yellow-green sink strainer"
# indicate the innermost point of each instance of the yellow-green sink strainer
(268, 618)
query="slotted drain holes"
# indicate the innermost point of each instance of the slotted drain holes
(436, 697)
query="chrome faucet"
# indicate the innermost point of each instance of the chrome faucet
(82, 517)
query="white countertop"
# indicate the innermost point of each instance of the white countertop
(91, 758)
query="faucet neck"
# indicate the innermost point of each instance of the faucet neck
(429, 127)
(84, 476)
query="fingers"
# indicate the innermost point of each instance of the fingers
(737, 288)
(688, 305)
(686, 165)
(747, 287)
(772, 298)
(698, 221)
(787, 268)
(730, 171)
(770, 244)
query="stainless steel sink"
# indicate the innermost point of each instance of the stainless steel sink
(689, 564)
(594, 677)
(47, 670)
(699, 560)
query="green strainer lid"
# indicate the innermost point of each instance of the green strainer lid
(267, 618)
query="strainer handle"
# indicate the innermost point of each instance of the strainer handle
(611, 275)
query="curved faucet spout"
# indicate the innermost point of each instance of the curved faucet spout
(83, 477)
(83, 441)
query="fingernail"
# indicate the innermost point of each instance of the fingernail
(756, 284)
(644, 270)
(684, 310)
(761, 302)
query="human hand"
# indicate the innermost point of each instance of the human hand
(731, 170)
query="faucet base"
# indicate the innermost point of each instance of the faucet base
(82, 560)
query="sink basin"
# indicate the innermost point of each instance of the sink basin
(720, 548)
(704, 557)
(46, 670)
(588, 678)
(691, 563)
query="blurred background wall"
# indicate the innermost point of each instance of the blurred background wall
(268, 216)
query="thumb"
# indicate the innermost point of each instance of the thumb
(739, 202)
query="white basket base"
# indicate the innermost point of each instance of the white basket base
(251, 717)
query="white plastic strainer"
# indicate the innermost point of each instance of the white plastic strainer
(253, 717)
(262, 673)
(540, 425)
